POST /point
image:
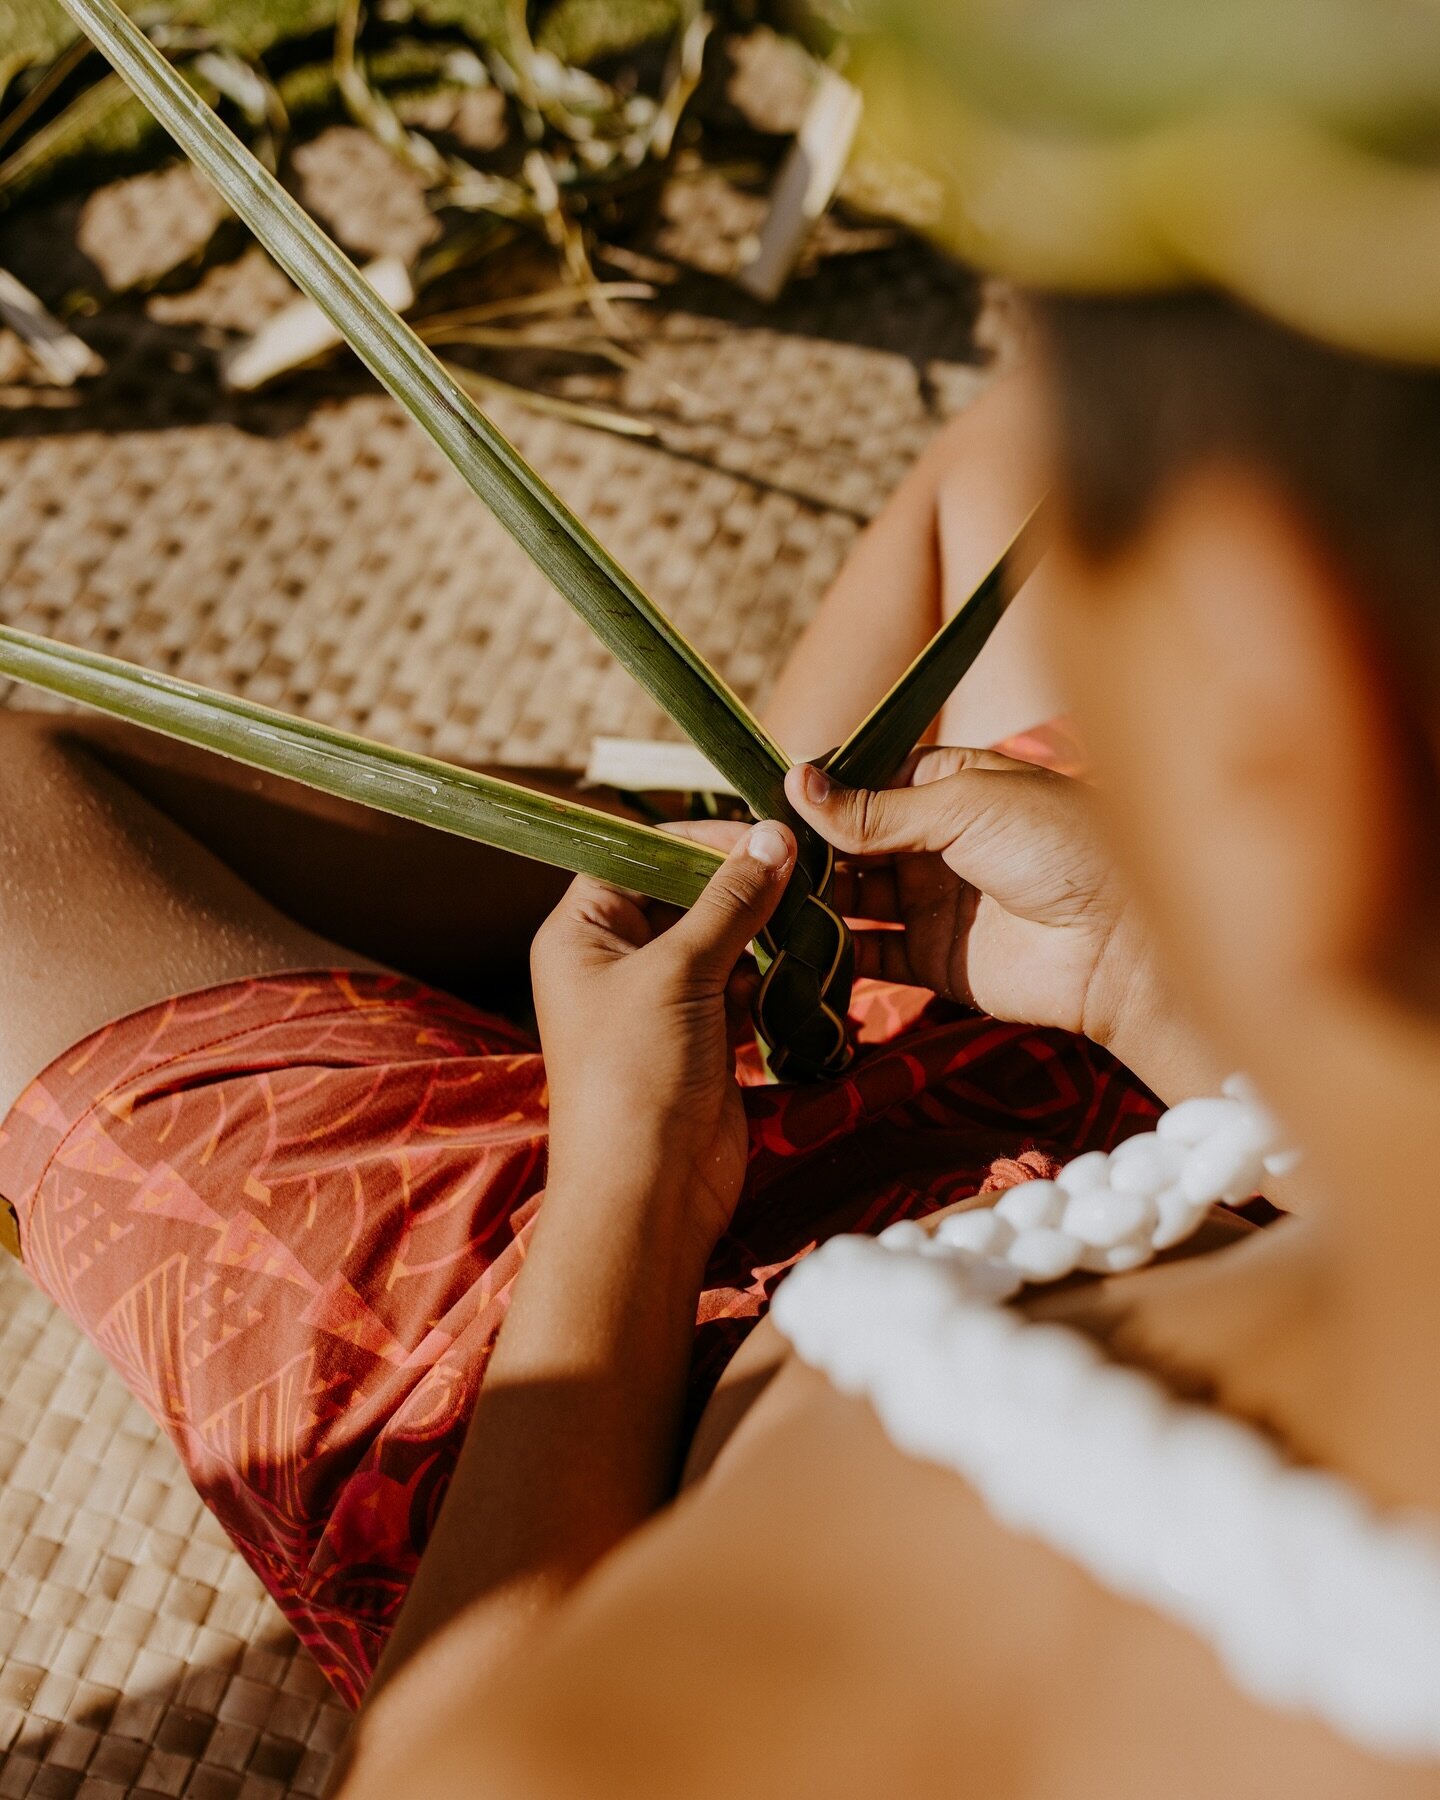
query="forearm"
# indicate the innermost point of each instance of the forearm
(574, 1443)
(1132, 1015)
(1173, 1061)
(879, 613)
(936, 539)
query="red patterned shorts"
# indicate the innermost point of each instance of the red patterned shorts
(290, 1212)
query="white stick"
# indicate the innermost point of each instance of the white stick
(300, 332)
(805, 186)
(637, 766)
(62, 356)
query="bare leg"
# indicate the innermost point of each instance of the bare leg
(106, 906)
(133, 868)
(439, 907)
(942, 530)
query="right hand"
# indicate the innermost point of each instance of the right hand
(636, 1009)
(995, 872)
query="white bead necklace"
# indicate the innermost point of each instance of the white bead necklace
(1110, 1213)
(1315, 1602)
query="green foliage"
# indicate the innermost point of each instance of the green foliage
(401, 71)
(807, 954)
(34, 31)
(624, 618)
(582, 31)
(103, 131)
(105, 123)
(482, 21)
(589, 31)
(38, 30)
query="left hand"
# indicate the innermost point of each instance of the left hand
(634, 1017)
(996, 873)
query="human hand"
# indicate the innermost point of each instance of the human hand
(638, 1010)
(996, 875)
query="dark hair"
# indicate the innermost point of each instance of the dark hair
(1151, 388)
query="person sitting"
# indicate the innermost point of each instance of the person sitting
(1172, 1532)
(288, 1191)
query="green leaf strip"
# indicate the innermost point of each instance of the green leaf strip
(874, 752)
(609, 601)
(471, 805)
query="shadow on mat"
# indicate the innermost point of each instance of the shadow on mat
(265, 1721)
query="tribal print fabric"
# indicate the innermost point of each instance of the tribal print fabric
(290, 1212)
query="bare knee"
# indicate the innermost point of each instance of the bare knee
(21, 729)
(39, 773)
(51, 793)
(107, 906)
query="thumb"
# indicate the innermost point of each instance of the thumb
(738, 900)
(874, 821)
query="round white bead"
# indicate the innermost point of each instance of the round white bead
(1213, 1479)
(1177, 1218)
(933, 1246)
(1193, 1120)
(815, 1302)
(992, 1279)
(1283, 1162)
(904, 1234)
(980, 1232)
(1031, 1205)
(1118, 1259)
(1100, 1218)
(1052, 1365)
(1225, 1166)
(1088, 1171)
(924, 1289)
(1044, 1254)
(1313, 1600)
(1144, 1165)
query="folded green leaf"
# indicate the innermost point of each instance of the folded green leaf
(491, 811)
(874, 752)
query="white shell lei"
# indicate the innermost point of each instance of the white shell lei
(1110, 1213)
(1314, 1601)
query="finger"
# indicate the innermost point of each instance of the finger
(877, 821)
(883, 956)
(933, 762)
(738, 900)
(596, 919)
(866, 891)
(719, 834)
(990, 825)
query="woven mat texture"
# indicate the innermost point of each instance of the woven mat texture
(310, 549)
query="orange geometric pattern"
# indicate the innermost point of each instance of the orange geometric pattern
(290, 1211)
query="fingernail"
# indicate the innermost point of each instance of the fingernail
(767, 844)
(815, 784)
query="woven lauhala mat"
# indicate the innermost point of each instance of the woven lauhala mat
(311, 550)
(138, 1655)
